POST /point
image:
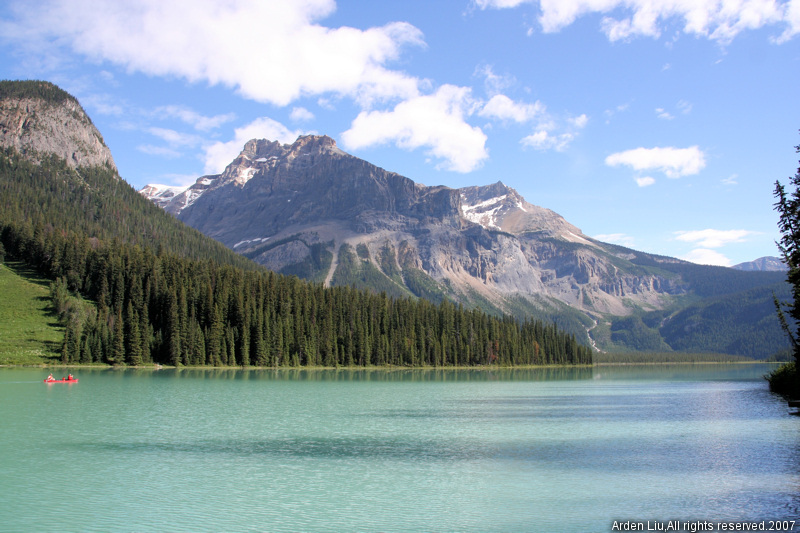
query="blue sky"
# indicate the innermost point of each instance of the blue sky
(661, 125)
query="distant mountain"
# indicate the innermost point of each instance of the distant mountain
(161, 195)
(763, 264)
(310, 209)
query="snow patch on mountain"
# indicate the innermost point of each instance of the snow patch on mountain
(245, 175)
(157, 189)
(483, 213)
(250, 241)
(191, 197)
(577, 238)
(160, 194)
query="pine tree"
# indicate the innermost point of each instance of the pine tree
(788, 207)
(133, 338)
(70, 350)
(173, 334)
(118, 350)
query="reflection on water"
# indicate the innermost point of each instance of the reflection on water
(536, 449)
(675, 372)
(373, 374)
(685, 372)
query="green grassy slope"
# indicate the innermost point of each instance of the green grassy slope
(29, 332)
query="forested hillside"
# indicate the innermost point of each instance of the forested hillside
(729, 311)
(712, 325)
(94, 201)
(164, 293)
(44, 91)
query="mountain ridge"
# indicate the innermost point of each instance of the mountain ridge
(310, 209)
(763, 264)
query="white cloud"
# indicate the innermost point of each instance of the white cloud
(683, 107)
(663, 114)
(579, 122)
(269, 50)
(616, 238)
(540, 140)
(108, 77)
(494, 83)
(609, 113)
(719, 20)
(175, 138)
(543, 140)
(731, 180)
(502, 107)
(673, 162)
(103, 104)
(645, 181)
(301, 114)
(792, 15)
(435, 121)
(193, 118)
(549, 135)
(714, 238)
(219, 155)
(499, 4)
(161, 151)
(704, 256)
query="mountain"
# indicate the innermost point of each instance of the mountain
(485, 245)
(763, 264)
(310, 209)
(57, 172)
(161, 195)
(130, 284)
(39, 118)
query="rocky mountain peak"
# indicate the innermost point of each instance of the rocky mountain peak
(255, 148)
(36, 117)
(500, 207)
(315, 144)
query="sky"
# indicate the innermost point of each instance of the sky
(660, 125)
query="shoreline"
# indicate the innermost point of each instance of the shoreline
(382, 368)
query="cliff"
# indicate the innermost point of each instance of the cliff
(38, 118)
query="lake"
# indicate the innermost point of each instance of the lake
(418, 450)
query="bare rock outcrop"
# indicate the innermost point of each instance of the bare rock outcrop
(38, 118)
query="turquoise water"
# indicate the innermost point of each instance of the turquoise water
(525, 450)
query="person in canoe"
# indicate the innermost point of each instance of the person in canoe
(70, 378)
(50, 378)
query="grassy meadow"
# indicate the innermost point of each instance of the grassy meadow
(29, 331)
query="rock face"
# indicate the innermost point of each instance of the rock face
(480, 245)
(45, 120)
(763, 264)
(270, 187)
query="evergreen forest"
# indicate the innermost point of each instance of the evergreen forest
(134, 286)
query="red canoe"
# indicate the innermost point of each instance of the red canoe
(74, 380)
